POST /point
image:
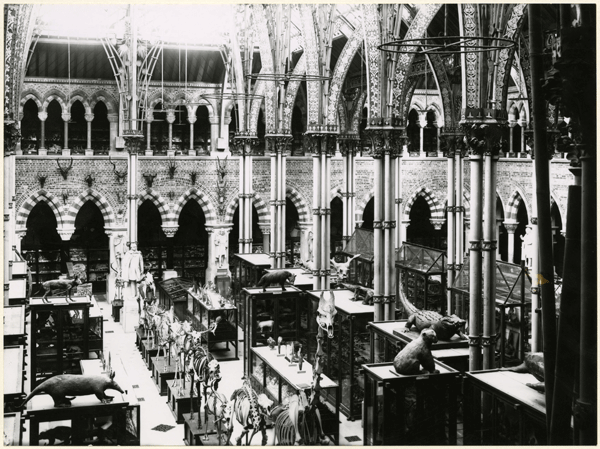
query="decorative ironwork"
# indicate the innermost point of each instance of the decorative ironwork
(444, 45)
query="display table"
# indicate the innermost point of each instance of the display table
(148, 350)
(410, 410)
(518, 412)
(13, 429)
(178, 398)
(203, 314)
(140, 335)
(14, 376)
(348, 349)
(386, 343)
(14, 326)
(277, 378)
(83, 414)
(162, 371)
(246, 270)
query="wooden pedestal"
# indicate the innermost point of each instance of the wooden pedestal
(194, 436)
(179, 403)
(162, 372)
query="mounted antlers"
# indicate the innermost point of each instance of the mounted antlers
(41, 177)
(64, 171)
(193, 176)
(121, 175)
(89, 179)
(149, 177)
(172, 167)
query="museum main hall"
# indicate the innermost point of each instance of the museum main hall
(300, 224)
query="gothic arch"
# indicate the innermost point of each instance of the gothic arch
(32, 201)
(111, 105)
(336, 192)
(298, 201)
(261, 208)
(159, 202)
(203, 200)
(30, 95)
(79, 96)
(512, 207)
(54, 96)
(360, 208)
(98, 200)
(436, 209)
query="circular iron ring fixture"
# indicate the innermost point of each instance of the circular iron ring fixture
(438, 45)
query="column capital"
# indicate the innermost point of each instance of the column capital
(386, 139)
(65, 116)
(89, 117)
(437, 223)
(318, 143)
(170, 230)
(192, 119)
(113, 118)
(66, 233)
(43, 116)
(170, 116)
(214, 120)
(280, 142)
(244, 144)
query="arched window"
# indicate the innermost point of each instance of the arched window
(413, 131)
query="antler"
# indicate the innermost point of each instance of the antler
(121, 175)
(64, 171)
(41, 177)
(172, 166)
(149, 177)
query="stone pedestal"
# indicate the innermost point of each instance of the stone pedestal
(130, 317)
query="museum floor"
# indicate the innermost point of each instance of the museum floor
(158, 426)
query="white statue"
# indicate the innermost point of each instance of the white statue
(132, 264)
(527, 248)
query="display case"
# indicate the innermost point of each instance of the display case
(190, 262)
(96, 330)
(275, 314)
(304, 278)
(349, 348)
(174, 292)
(500, 409)
(17, 292)
(513, 307)
(13, 429)
(155, 259)
(410, 410)
(94, 262)
(14, 325)
(14, 376)
(246, 270)
(421, 273)
(91, 421)
(60, 336)
(275, 376)
(45, 265)
(385, 345)
(203, 312)
(361, 268)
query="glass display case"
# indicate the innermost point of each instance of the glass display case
(500, 409)
(348, 350)
(274, 314)
(421, 273)
(60, 336)
(304, 278)
(203, 313)
(361, 268)
(513, 307)
(94, 263)
(96, 320)
(272, 373)
(155, 259)
(246, 270)
(45, 265)
(14, 377)
(410, 410)
(174, 292)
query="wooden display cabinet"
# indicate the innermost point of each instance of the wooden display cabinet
(60, 336)
(275, 376)
(173, 293)
(155, 259)
(246, 270)
(410, 410)
(86, 415)
(95, 263)
(275, 314)
(190, 262)
(45, 265)
(348, 350)
(361, 268)
(203, 316)
(500, 409)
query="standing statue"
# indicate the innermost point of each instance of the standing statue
(132, 264)
(527, 248)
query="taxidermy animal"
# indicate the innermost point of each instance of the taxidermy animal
(416, 354)
(264, 325)
(61, 433)
(75, 385)
(276, 277)
(342, 268)
(60, 284)
(533, 364)
(444, 326)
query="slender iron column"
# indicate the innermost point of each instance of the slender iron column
(450, 221)
(475, 265)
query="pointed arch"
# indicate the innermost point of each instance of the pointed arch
(512, 207)
(301, 205)
(98, 199)
(30, 95)
(57, 97)
(336, 192)
(77, 95)
(109, 102)
(360, 208)
(158, 201)
(203, 200)
(436, 209)
(261, 208)
(32, 201)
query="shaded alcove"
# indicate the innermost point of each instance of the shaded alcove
(420, 230)
(189, 247)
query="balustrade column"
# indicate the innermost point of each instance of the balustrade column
(170, 121)
(214, 132)
(149, 121)
(88, 149)
(43, 116)
(511, 227)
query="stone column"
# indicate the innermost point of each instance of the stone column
(422, 124)
(114, 129)
(265, 228)
(214, 132)
(511, 227)
(88, 149)
(218, 252)
(225, 134)
(66, 117)
(170, 230)
(191, 121)
(498, 224)
(19, 236)
(170, 121)
(42, 116)
(149, 121)
(305, 229)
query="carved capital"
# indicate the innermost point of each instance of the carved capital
(170, 116)
(475, 245)
(377, 299)
(42, 116)
(65, 116)
(511, 226)
(437, 223)
(169, 231)
(474, 340)
(89, 117)
(280, 142)
(133, 141)
(66, 233)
